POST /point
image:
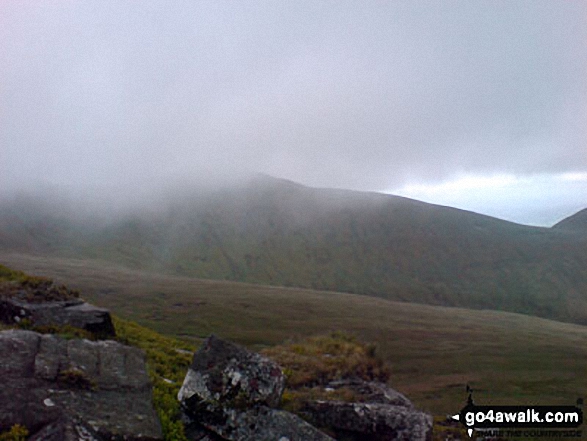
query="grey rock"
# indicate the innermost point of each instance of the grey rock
(230, 393)
(260, 424)
(372, 392)
(75, 313)
(196, 432)
(223, 374)
(370, 421)
(75, 389)
(64, 429)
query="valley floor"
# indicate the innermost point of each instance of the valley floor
(433, 351)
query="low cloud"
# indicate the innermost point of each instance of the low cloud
(339, 94)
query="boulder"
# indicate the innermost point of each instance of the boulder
(223, 374)
(75, 389)
(75, 313)
(230, 393)
(370, 421)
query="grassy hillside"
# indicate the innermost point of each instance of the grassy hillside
(433, 351)
(577, 222)
(280, 233)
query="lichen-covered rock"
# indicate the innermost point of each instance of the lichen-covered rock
(75, 313)
(75, 389)
(258, 423)
(223, 374)
(230, 393)
(371, 421)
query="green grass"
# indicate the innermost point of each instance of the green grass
(433, 351)
(315, 361)
(310, 364)
(65, 331)
(32, 288)
(168, 360)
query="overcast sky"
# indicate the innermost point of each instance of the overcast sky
(475, 104)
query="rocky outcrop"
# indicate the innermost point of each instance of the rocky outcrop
(78, 389)
(75, 313)
(41, 303)
(230, 393)
(371, 421)
(379, 414)
(370, 392)
(75, 389)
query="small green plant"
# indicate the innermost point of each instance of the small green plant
(76, 378)
(67, 332)
(16, 433)
(25, 324)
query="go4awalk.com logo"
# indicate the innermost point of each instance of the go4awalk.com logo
(522, 420)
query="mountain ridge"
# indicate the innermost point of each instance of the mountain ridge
(277, 232)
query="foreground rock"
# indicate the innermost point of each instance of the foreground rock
(371, 421)
(382, 414)
(371, 392)
(233, 393)
(75, 389)
(74, 313)
(259, 423)
(42, 303)
(227, 375)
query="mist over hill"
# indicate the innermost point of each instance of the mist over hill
(271, 231)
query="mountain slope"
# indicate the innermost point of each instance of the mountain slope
(576, 222)
(277, 232)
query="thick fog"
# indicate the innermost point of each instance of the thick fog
(120, 98)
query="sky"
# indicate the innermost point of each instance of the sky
(480, 105)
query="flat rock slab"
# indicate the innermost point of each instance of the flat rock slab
(258, 424)
(75, 313)
(75, 389)
(371, 392)
(371, 421)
